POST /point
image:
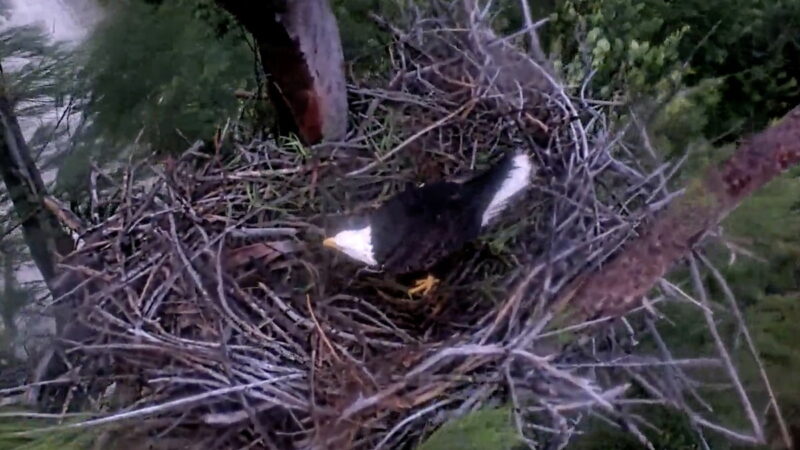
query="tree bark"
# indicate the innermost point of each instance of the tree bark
(301, 52)
(621, 284)
(11, 299)
(43, 234)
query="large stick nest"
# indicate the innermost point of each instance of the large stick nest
(211, 312)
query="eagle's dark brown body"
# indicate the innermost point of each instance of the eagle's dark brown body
(415, 229)
(418, 227)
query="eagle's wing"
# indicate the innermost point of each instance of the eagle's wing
(420, 226)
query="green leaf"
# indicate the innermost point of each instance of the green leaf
(593, 35)
(604, 45)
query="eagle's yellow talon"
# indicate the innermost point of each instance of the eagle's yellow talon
(424, 286)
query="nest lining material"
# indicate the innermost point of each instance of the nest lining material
(209, 287)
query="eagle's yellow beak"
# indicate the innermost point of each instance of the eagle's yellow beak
(330, 243)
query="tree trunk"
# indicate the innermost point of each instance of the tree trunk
(620, 284)
(10, 303)
(43, 234)
(301, 52)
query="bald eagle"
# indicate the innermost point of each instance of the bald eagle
(413, 230)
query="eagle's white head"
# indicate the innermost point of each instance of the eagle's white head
(356, 244)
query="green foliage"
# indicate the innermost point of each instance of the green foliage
(36, 72)
(641, 47)
(679, 127)
(484, 429)
(363, 41)
(37, 77)
(774, 326)
(10, 438)
(630, 49)
(712, 72)
(160, 70)
(769, 225)
(768, 292)
(509, 16)
(674, 434)
(745, 46)
(161, 76)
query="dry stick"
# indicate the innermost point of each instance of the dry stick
(726, 290)
(731, 434)
(580, 383)
(413, 138)
(320, 329)
(676, 371)
(151, 410)
(35, 415)
(536, 47)
(620, 284)
(518, 419)
(411, 418)
(693, 416)
(723, 352)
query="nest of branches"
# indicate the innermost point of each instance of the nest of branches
(208, 309)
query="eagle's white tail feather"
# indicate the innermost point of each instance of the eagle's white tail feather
(517, 179)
